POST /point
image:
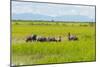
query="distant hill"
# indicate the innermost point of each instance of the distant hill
(29, 16)
(74, 18)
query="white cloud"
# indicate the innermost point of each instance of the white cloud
(52, 9)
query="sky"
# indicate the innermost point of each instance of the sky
(53, 10)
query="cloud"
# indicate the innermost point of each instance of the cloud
(52, 10)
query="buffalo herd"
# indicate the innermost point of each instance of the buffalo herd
(50, 39)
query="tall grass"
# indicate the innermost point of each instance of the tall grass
(52, 52)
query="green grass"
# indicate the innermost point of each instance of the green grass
(52, 52)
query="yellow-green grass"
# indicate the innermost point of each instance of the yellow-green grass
(52, 52)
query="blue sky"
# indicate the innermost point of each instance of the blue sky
(52, 10)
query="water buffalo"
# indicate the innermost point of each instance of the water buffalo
(41, 39)
(54, 39)
(31, 38)
(72, 37)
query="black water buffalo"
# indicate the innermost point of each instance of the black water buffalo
(54, 39)
(41, 39)
(31, 38)
(72, 37)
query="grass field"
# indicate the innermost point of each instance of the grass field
(52, 52)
